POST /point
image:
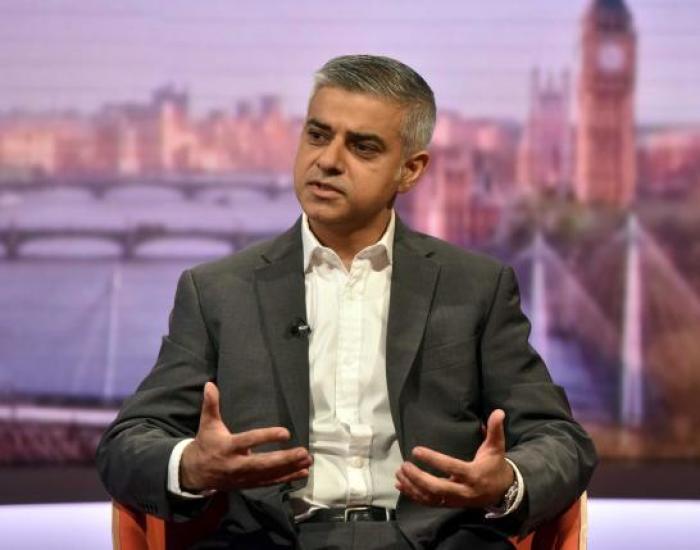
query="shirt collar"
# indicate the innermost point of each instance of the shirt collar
(311, 244)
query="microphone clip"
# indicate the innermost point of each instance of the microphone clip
(300, 328)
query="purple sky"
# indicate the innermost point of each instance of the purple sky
(475, 54)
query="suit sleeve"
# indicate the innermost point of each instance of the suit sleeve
(553, 452)
(133, 454)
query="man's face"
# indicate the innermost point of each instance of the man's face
(348, 166)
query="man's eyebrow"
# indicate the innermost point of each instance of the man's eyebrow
(352, 136)
(359, 136)
(318, 124)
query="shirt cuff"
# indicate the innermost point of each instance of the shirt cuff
(174, 473)
(518, 497)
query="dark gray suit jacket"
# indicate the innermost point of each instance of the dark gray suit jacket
(457, 348)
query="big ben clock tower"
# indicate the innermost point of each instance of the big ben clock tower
(606, 164)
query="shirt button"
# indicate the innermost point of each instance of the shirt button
(357, 462)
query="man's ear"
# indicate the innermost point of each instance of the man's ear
(412, 169)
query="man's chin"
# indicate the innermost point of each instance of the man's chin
(327, 220)
(326, 212)
(323, 218)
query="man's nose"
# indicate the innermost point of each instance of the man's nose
(330, 159)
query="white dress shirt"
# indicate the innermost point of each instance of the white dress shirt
(351, 434)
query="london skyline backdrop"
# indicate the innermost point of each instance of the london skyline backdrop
(76, 54)
(101, 210)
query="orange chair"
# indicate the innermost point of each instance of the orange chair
(567, 531)
(133, 530)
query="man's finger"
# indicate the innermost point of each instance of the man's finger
(210, 405)
(252, 481)
(435, 486)
(275, 463)
(495, 433)
(257, 470)
(408, 488)
(251, 438)
(439, 461)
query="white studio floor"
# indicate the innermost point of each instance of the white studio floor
(613, 525)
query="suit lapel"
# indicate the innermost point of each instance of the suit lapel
(413, 281)
(280, 290)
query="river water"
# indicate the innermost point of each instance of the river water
(76, 320)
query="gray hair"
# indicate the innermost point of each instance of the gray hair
(388, 79)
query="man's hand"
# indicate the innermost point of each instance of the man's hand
(476, 484)
(219, 459)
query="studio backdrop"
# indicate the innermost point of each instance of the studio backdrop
(140, 138)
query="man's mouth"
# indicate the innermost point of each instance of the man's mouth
(324, 187)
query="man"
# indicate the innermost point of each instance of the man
(351, 383)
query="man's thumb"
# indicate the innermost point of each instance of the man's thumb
(210, 405)
(495, 433)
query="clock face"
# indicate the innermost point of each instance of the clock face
(611, 57)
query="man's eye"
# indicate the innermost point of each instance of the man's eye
(365, 149)
(315, 136)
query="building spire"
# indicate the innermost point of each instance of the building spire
(540, 318)
(632, 391)
(611, 14)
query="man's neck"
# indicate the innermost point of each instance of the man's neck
(347, 241)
